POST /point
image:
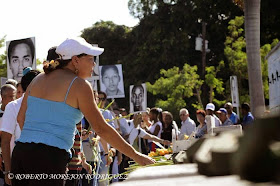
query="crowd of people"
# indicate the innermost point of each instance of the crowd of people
(54, 123)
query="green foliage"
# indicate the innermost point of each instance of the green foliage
(141, 8)
(114, 38)
(38, 62)
(215, 84)
(3, 57)
(235, 52)
(175, 85)
(165, 37)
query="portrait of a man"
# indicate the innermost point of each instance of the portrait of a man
(138, 98)
(111, 81)
(21, 53)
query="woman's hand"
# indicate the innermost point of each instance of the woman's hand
(166, 142)
(8, 180)
(142, 159)
(87, 166)
(85, 134)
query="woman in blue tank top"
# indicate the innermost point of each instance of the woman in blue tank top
(55, 101)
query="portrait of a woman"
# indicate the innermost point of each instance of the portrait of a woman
(111, 81)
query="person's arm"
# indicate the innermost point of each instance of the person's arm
(156, 131)
(90, 110)
(106, 151)
(22, 110)
(85, 164)
(6, 149)
(156, 139)
(182, 132)
(193, 126)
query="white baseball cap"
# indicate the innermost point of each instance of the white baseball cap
(76, 46)
(210, 106)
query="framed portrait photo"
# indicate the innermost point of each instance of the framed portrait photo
(111, 80)
(20, 54)
(138, 97)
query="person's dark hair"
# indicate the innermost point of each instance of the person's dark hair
(6, 88)
(11, 82)
(157, 112)
(202, 112)
(103, 93)
(106, 67)
(137, 86)
(245, 106)
(27, 78)
(86, 124)
(18, 84)
(26, 41)
(52, 55)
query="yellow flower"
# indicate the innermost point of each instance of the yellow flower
(54, 64)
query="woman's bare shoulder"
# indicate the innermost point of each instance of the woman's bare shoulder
(82, 83)
(82, 86)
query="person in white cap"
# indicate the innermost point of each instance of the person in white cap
(210, 109)
(57, 100)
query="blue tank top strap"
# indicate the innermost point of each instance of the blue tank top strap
(69, 88)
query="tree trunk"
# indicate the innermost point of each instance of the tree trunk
(203, 65)
(211, 94)
(252, 35)
(199, 97)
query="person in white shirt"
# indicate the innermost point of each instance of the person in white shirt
(10, 128)
(136, 131)
(155, 129)
(188, 125)
(210, 109)
(8, 94)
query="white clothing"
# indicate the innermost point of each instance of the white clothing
(153, 127)
(122, 123)
(217, 121)
(188, 126)
(9, 121)
(175, 126)
(136, 132)
(129, 128)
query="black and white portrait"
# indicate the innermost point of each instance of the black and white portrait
(138, 97)
(21, 53)
(111, 81)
